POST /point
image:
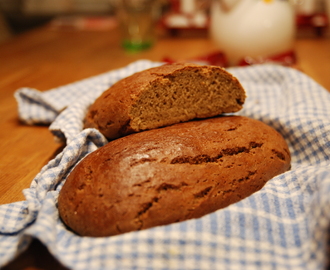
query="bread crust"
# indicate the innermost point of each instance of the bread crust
(189, 91)
(171, 174)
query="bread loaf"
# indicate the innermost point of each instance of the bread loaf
(163, 96)
(170, 174)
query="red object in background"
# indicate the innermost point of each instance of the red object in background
(315, 20)
(285, 59)
(214, 59)
(218, 58)
(318, 21)
(175, 6)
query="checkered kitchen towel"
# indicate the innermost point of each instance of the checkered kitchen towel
(285, 225)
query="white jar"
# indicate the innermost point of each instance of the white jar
(253, 28)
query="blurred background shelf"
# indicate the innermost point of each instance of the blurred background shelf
(18, 16)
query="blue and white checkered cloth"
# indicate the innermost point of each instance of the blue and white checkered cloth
(285, 225)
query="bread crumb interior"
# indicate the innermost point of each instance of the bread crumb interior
(185, 95)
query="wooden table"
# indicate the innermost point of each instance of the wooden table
(46, 58)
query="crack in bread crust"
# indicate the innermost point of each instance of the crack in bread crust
(171, 174)
(202, 159)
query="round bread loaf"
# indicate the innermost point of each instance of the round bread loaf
(163, 96)
(170, 174)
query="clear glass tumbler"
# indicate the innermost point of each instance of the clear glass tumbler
(137, 22)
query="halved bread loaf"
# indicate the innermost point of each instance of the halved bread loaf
(163, 96)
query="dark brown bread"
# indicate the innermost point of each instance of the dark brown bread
(163, 96)
(170, 174)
